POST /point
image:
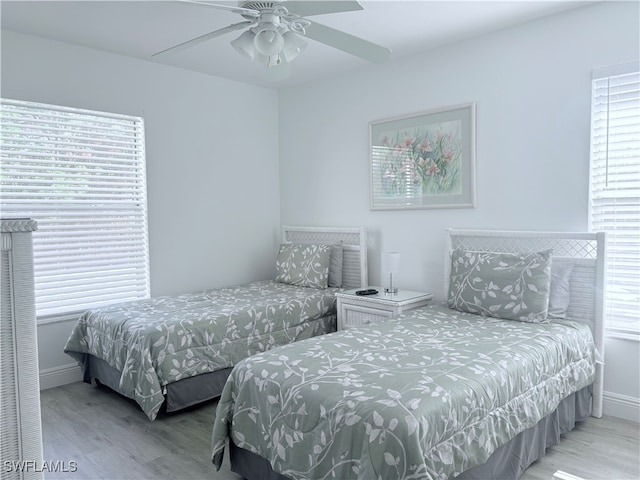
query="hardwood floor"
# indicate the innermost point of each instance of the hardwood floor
(108, 437)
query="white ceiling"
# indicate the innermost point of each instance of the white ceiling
(141, 28)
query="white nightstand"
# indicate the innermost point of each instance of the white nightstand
(356, 310)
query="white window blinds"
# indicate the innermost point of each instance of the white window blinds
(615, 190)
(81, 175)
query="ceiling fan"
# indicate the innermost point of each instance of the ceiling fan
(274, 30)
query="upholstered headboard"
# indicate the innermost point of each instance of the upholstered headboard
(354, 241)
(587, 253)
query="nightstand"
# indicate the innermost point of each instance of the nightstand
(356, 310)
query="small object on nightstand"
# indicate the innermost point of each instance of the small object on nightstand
(368, 291)
(391, 264)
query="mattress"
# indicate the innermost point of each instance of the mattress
(428, 395)
(163, 340)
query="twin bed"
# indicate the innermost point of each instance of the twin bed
(476, 388)
(177, 351)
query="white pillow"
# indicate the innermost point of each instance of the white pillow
(335, 266)
(559, 294)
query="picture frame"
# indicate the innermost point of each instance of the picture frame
(424, 160)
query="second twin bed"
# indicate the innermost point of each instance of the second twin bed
(476, 391)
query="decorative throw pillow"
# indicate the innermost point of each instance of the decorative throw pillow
(559, 294)
(501, 285)
(303, 265)
(335, 266)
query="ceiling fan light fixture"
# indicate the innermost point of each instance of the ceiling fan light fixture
(268, 40)
(293, 45)
(244, 45)
(272, 31)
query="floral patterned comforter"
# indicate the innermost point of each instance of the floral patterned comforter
(425, 396)
(158, 341)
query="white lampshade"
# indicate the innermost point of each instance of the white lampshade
(293, 45)
(244, 45)
(268, 41)
(391, 262)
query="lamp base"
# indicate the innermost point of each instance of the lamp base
(391, 291)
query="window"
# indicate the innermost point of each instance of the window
(81, 175)
(615, 190)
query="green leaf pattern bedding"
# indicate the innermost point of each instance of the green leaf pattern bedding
(424, 396)
(165, 339)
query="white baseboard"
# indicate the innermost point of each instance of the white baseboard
(62, 375)
(621, 406)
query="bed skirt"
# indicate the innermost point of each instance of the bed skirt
(507, 463)
(179, 395)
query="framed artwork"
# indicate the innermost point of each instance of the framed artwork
(424, 160)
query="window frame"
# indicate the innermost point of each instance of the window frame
(88, 193)
(613, 328)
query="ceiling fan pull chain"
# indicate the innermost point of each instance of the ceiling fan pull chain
(273, 60)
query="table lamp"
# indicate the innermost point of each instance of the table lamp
(391, 264)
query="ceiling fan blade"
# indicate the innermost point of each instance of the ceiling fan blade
(348, 43)
(240, 10)
(204, 38)
(306, 8)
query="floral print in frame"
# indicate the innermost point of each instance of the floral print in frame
(424, 160)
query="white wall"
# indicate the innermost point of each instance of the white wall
(531, 85)
(212, 164)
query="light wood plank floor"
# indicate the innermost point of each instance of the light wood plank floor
(109, 437)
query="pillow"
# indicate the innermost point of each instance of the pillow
(303, 265)
(559, 294)
(335, 266)
(501, 285)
